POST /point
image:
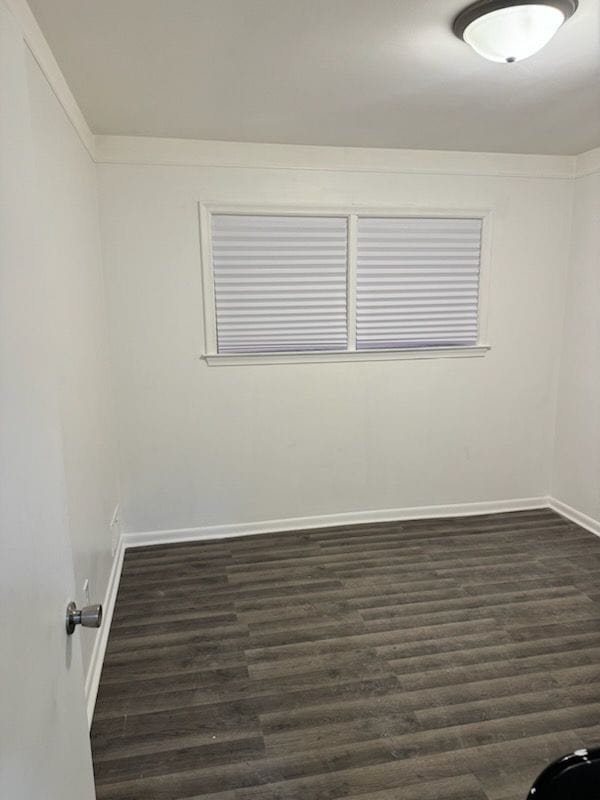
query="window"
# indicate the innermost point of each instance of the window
(341, 284)
(280, 283)
(417, 282)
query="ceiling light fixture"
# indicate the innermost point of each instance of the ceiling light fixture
(511, 30)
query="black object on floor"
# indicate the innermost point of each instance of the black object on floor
(576, 777)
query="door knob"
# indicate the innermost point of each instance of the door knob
(89, 617)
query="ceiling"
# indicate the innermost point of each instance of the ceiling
(378, 73)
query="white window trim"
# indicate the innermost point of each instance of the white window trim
(404, 354)
(351, 213)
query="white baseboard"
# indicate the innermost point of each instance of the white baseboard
(92, 678)
(565, 510)
(330, 520)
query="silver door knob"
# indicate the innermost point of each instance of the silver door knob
(89, 617)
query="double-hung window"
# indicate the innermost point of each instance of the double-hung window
(301, 284)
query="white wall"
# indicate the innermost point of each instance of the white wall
(68, 230)
(207, 445)
(576, 479)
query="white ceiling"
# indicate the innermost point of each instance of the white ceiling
(380, 73)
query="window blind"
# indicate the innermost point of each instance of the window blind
(280, 283)
(417, 282)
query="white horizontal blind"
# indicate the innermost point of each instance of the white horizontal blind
(280, 283)
(417, 282)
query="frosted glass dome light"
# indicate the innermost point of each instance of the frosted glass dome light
(511, 30)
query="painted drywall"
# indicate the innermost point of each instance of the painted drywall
(207, 445)
(68, 229)
(576, 478)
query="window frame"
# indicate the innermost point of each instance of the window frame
(351, 214)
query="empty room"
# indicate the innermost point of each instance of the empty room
(300, 399)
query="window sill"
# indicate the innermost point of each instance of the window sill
(248, 359)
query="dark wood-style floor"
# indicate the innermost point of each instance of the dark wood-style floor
(429, 660)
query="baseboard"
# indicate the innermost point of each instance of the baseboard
(208, 532)
(92, 678)
(581, 519)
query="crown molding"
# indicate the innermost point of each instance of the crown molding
(40, 50)
(587, 163)
(143, 150)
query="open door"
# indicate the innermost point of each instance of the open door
(44, 741)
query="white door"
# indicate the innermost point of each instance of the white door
(44, 742)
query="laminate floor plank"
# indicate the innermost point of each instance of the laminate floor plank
(441, 659)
